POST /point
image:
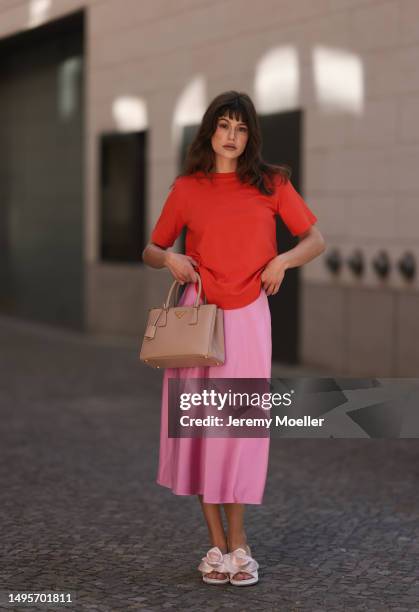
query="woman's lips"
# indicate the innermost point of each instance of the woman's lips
(229, 147)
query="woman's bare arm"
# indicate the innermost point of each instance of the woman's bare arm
(181, 266)
(154, 256)
(310, 245)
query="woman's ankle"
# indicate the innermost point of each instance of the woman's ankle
(237, 541)
(222, 544)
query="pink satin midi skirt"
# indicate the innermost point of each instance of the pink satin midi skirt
(223, 470)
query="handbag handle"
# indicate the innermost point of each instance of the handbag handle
(176, 302)
(175, 282)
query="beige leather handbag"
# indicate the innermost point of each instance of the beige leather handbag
(184, 336)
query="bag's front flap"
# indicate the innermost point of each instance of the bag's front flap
(188, 329)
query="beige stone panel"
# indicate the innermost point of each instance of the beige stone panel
(278, 13)
(345, 170)
(371, 217)
(118, 48)
(324, 129)
(377, 126)
(330, 212)
(6, 4)
(233, 25)
(389, 72)
(108, 16)
(118, 80)
(339, 5)
(409, 119)
(322, 327)
(300, 25)
(162, 36)
(239, 82)
(404, 170)
(167, 58)
(101, 118)
(241, 15)
(234, 55)
(369, 323)
(328, 29)
(111, 15)
(118, 296)
(374, 26)
(145, 76)
(13, 19)
(161, 105)
(407, 347)
(407, 217)
(317, 170)
(409, 21)
(165, 152)
(315, 271)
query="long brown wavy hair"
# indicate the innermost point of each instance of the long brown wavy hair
(251, 168)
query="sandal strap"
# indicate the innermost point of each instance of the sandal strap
(240, 561)
(214, 560)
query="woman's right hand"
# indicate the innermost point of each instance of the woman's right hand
(181, 266)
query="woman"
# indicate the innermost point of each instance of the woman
(228, 198)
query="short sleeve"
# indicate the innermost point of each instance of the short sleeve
(172, 218)
(293, 210)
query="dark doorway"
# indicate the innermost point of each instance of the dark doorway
(122, 196)
(282, 135)
(41, 168)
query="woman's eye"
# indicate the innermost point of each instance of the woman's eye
(225, 126)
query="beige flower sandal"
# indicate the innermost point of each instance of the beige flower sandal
(240, 560)
(214, 561)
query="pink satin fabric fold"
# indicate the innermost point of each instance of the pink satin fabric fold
(223, 470)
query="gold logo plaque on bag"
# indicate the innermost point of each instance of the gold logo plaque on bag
(188, 337)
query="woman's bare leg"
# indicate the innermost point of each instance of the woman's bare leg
(213, 518)
(236, 537)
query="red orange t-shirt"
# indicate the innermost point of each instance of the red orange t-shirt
(231, 230)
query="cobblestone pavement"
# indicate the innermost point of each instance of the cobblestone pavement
(81, 512)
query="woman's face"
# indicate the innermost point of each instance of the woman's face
(230, 137)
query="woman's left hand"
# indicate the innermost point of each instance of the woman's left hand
(273, 275)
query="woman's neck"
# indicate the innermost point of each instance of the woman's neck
(223, 165)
